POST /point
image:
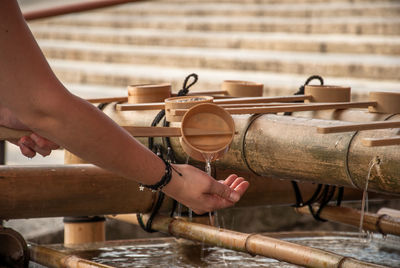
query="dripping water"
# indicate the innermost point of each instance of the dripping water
(364, 202)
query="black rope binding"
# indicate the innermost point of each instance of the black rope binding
(170, 156)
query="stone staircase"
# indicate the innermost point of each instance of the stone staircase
(278, 43)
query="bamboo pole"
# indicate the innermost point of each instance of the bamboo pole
(76, 190)
(254, 244)
(54, 259)
(69, 190)
(382, 223)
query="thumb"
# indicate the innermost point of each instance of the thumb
(224, 191)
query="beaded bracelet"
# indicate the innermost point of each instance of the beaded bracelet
(164, 179)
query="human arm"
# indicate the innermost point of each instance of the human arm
(31, 91)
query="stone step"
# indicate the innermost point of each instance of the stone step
(314, 10)
(334, 25)
(327, 43)
(333, 64)
(118, 76)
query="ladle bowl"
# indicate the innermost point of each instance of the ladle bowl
(207, 118)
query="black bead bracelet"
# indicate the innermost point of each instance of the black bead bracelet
(164, 180)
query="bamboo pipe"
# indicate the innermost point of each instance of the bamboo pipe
(73, 8)
(358, 127)
(373, 142)
(288, 147)
(291, 108)
(76, 190)
(52, 258)
(254, 244)
(243, 100)
(383, 223)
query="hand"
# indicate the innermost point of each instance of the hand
(29, 145)
(200, 192)
(32, 144)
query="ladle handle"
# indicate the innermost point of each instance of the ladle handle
(298, 108)
(172, 132)
(244, 100)
(358, 126)
(106, 100)
(12, 134)
(373, 142)
(290, 108)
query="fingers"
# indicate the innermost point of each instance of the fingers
(25, 150)
(242, 187)
(231, 178)
(29, 145)
(224, 191)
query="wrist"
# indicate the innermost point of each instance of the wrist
(176, 183)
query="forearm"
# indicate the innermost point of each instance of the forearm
(84, 130)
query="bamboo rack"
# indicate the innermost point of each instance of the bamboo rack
(382, 223)
(254, 244)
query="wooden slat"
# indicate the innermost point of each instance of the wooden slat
(358, 126)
